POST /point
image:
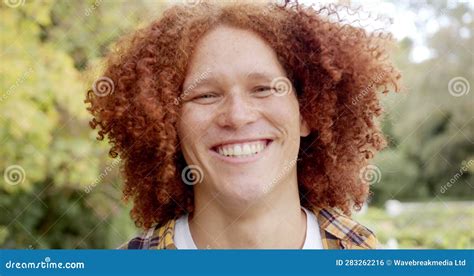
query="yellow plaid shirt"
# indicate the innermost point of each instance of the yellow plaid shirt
(337, 232)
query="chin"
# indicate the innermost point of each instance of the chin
(247, 192)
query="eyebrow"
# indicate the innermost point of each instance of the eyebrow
(260, 75)
(199, 81)
(205, 80)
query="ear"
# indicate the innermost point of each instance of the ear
(304, 128)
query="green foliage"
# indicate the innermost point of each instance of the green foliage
(63, 198)
(399, 177)
(431, 131)
(427, 225)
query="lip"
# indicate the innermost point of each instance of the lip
(240, 141)
(241, 160)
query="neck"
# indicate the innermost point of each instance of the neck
(276, 221)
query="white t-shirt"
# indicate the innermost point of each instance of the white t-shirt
(184, 240)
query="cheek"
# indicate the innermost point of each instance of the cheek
(186, 128)
(284, 113)
(192, 124)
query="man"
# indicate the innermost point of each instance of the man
(245, 126)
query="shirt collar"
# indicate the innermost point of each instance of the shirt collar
(338, 231)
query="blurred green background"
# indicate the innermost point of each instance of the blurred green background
(59, 188)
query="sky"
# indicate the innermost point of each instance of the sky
(404, 21)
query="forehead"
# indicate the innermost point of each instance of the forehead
(231, 51)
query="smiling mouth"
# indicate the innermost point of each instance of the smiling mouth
(243, 149)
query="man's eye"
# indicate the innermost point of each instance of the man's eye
(263, 91)
(206, 98)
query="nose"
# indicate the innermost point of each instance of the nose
(237, 111)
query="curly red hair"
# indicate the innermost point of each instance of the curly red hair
(336, 70)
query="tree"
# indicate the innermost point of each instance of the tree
(58, 187)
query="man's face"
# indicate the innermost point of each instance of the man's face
(242, 133)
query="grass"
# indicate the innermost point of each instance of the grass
(429, 225)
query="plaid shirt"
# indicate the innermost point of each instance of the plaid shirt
(337, 232)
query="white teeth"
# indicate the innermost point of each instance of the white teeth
(242, 150)
(246, 149)
(253, 149)
(237, 150)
